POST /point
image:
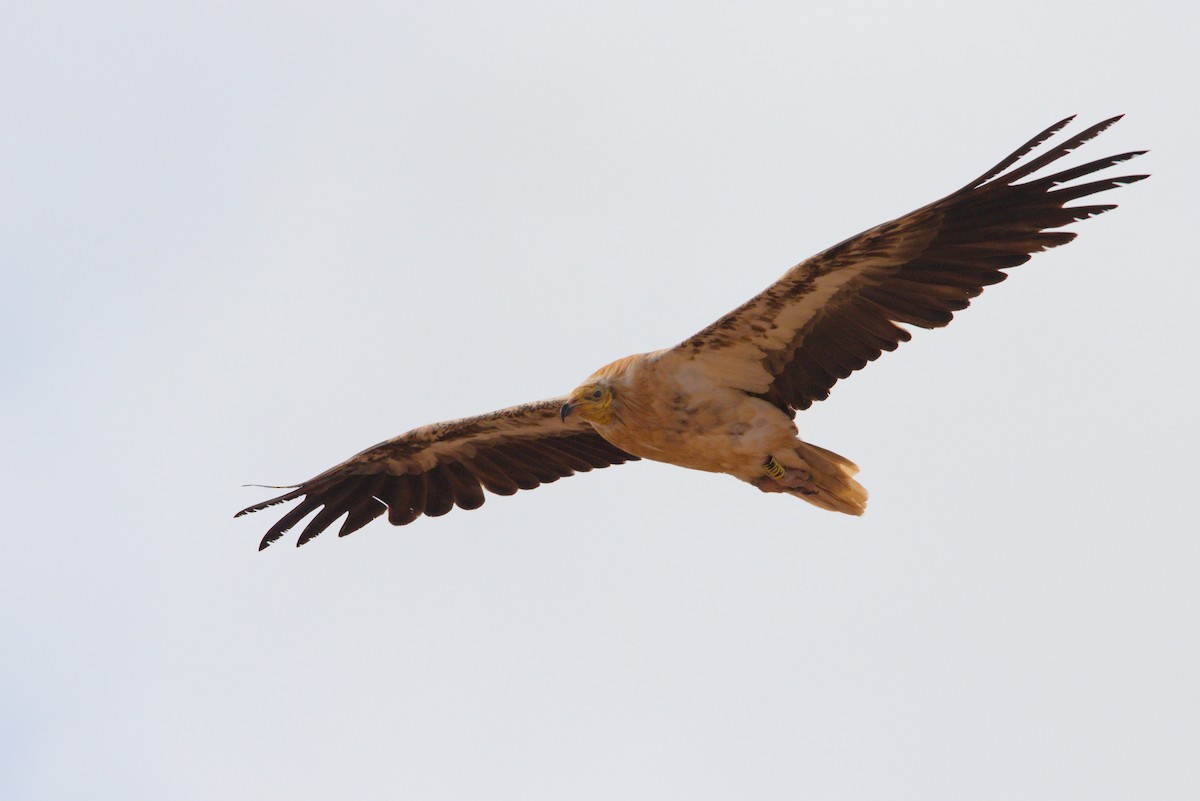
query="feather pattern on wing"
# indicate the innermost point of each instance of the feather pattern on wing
(833, 313)
(432, 469)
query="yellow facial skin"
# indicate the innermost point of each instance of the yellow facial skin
(592, 402)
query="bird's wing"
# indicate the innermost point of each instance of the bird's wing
(830, 315)
(432, 469)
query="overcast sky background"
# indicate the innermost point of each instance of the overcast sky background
(242, 241)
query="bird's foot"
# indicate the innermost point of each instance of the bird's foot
(785, 479)
(773, 468)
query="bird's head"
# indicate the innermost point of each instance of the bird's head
(592, 401)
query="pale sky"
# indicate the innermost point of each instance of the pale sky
(243, 241)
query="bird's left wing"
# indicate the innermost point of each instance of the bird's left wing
(432, 469)
(833, 313)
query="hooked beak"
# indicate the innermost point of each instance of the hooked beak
(565, 410)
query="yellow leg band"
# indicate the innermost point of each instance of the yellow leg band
(773, 468)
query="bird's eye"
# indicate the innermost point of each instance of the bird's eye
(596, 394)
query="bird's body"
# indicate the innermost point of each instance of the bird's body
(673, 417)
(724, 400)
(660, 408)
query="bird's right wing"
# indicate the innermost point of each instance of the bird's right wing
(432, 469)
(833, 313)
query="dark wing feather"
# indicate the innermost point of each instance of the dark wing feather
(430, 470)
(835, 312)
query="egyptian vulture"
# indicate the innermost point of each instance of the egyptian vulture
(724, 400)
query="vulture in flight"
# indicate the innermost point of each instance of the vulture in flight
(724, 399)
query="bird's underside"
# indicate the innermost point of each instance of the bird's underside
(724, 399)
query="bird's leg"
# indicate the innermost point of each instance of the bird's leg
(785, 479)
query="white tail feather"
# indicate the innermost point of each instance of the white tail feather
(833, 476)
